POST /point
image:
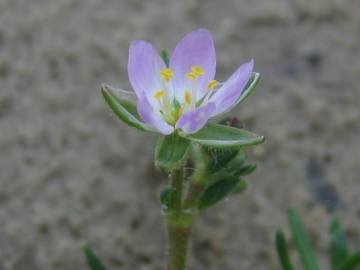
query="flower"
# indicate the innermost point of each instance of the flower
(183, 95)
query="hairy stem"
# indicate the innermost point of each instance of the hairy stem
(177, 184)
(178, 242)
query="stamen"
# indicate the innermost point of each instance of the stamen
(188, 97)
(212, 84)
(159, 94)
(196, 72)
(166, 74)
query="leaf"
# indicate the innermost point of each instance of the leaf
(338, 245)
(93, 260)
(353, 263)
(223, 136)
(171, 151)
(167, 197)
(246, 170)
(282, 251)
(124, 109)
(301, 241)
(240, 187)
(217, 192)
(217, 158)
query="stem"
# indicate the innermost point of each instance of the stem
(177, 185)
(178, 238)
(179, 224)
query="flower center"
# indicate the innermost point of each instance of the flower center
(170, 108)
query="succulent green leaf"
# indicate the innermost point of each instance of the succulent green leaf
(124, 109)
(353, 263)
(217, 158)
(301, 241)
(338, 245)
(171, 151)
(223, 136)
(246, 170)
(93, 260)
(167, 197)
(217, 192)
(282, 251)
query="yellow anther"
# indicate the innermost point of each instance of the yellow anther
(188, 97)
(212, 84)
(167, 74)
(159, 94)
(196, 72)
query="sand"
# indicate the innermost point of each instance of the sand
(72, 174)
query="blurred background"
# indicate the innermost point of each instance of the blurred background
(72, 174)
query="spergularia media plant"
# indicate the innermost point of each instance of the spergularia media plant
(177, 98)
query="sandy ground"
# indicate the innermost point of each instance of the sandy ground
(71, 174)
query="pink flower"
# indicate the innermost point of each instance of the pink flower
(183, 95)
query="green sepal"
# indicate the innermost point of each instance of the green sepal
(124, 109)
(165, 57)
(353, 263)
(217, 192)
(223, 136)
(167, 197)
(338, 245)
(240, 187)
(250, 87)
(171, 151)
(282, 251)
(301, 241)
(93, 260)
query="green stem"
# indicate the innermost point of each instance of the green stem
(178, 242)
(177, 185)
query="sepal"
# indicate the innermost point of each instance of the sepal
(124, 109)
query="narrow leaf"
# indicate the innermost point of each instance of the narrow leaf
(282, 251)
(167, 197)
(246, 170)
(171, 151)
(302, 242)
(223, 136)
(217, 158)
(338, 245)
(93, 260)
(124, 110)
(353, 263)
(217, 192)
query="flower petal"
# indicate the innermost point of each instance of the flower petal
(195, 49)
(150, 117)
(144, 67)
(232, 89)
(192, 121)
